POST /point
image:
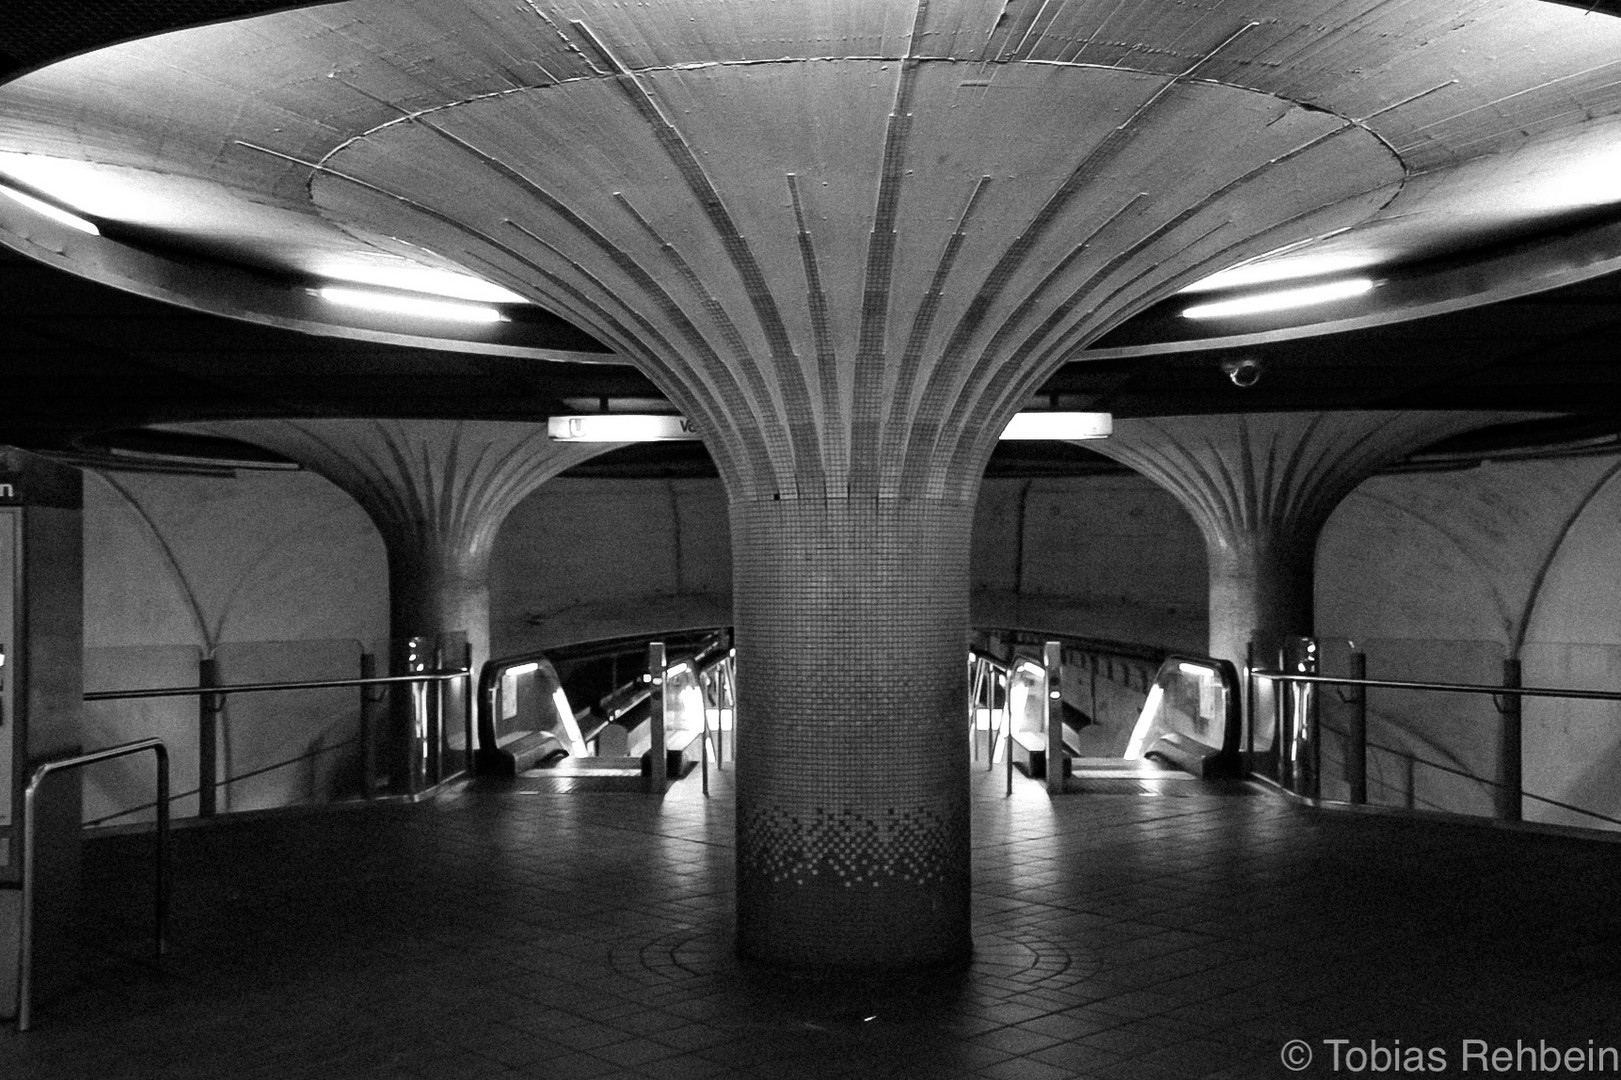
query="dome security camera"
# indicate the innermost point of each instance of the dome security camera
(1244, 372)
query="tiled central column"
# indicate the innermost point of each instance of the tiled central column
(847, 265)
(852, 801)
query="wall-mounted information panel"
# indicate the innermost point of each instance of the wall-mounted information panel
(41, 700)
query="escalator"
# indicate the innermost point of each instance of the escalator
(1185, 721)
(1186, 740)
(1185, 737)
(529, 723)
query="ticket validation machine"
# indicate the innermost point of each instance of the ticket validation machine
(41, 695)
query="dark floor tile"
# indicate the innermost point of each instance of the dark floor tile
(587, 935)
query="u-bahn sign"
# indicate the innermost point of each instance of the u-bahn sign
(620, 428)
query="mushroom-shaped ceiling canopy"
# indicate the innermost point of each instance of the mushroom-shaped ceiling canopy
(848, 238)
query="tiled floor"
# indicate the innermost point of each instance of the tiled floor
(1188, 933)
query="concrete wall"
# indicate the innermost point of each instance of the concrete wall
(1108, 557)
(276, 575)
(1446, 575)
(1438, 575)
(585, 559)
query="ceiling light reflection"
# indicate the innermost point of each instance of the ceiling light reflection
(1282, 269)
(414, 306)
(405, 276)
(55, 213)
(1281, 300)
(664, 427)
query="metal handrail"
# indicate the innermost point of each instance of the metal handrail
(1125, 650)
(207, 782)
(990, 668)
(1507, 700)
(1408, 755)
(711, 653)
(1224, 759)
(253, 688)
(716, 663)
(92, 823)
(1459, 688)
(25, 944)
(1007, 749)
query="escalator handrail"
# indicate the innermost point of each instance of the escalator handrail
(1227, 672)
(1018, 636)
(715, 637)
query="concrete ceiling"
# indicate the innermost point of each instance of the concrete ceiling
(1041, 178)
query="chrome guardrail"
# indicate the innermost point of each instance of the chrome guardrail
(211, 701)
(1303, 733)
(25, 947)
(1209, 743)
(708, 650)
(991, 678)
(1459, 688)
(254, 688)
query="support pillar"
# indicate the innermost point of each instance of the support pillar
(849, 322)
(852, 774)
(438, 492)
(1261, 586)
(1260, 487)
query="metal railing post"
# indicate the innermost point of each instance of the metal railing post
(1249, 704)
(720, 715)
(1007, 738)
(1510, 770)
(990, 724)
(1313, 700)
(469, 691)
(975, 683)
(209, 707)
(369, 700)
(1356, 736)
(1298, 768)
(25, 940)
(434, 764)
(731, 695)
(1052, 675)
(703, 749)
(1279, 743)
(657, 764)
(160, 934)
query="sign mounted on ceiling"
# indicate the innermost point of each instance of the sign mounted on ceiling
(620, 428)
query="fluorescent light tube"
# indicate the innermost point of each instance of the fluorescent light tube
(55, 213)
(1060, 426)
(636, 427)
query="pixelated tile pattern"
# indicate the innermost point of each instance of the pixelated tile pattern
(851, 618)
